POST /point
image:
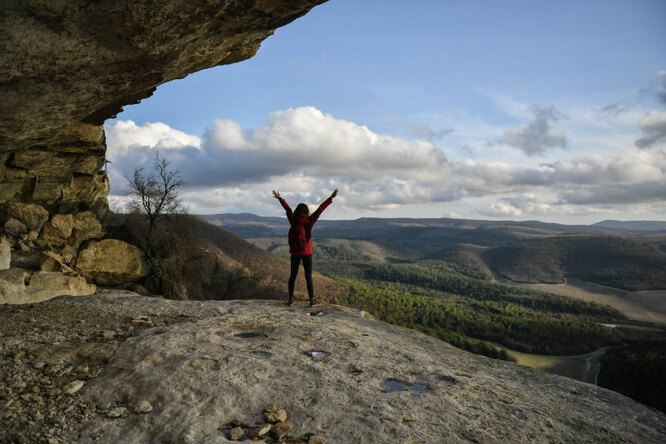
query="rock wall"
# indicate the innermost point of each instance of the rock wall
(68, 65)
(63, 176)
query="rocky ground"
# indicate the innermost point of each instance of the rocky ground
(117, 367)
(52, 349)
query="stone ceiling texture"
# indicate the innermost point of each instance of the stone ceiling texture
(68, 65)
(63, 62)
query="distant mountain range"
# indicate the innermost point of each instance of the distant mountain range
(430, 235)
(632, 225)
(629, 255)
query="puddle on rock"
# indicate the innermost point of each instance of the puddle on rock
(355, 371)
(261, 355)
(317, 354)
(250, 335)
(393, 385)
(448, 380)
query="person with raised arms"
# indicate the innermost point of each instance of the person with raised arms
(300, 241)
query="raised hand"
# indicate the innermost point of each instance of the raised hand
(277, 195)
(335, 193)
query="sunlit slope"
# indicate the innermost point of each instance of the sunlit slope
(210, 262)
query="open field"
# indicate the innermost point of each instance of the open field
(647, 306)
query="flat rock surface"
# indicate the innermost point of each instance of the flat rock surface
(206, 367)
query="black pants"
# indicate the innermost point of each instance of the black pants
(307, 266)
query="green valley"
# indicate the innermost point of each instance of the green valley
(499, 288)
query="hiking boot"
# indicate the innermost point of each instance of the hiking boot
(313, 303)
(291, 302)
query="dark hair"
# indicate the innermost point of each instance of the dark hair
(302, 209)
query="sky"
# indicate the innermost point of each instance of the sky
(479, 109)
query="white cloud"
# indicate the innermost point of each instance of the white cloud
(123, 135)
(305, 154)
(531, 205)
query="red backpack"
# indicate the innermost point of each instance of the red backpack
(299, 236)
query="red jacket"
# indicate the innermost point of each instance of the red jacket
(301, 225)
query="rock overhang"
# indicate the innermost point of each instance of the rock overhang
(68, 62)
(68, 65)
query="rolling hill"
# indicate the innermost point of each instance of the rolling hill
(608, 260)
(636, 225)
(201, 261)
(530, 252)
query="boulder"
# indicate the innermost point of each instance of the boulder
(58, 229)
(15, 276)
(112, 262)
(50, 261)
(9, 189)
(41, 286)
(32, 216)
(86, 226)
(5, 254)
(14, 227)
(59, 283)
(9, 292)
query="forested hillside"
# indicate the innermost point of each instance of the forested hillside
(441, 299)
(196, 260)
(528, 252)
(608, 260)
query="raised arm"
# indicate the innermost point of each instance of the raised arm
(284, 204)
(323, 206)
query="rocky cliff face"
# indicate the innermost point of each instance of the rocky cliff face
(65, 62)
(67, 65)
(117, 367)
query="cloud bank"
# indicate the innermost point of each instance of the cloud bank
(305, 153)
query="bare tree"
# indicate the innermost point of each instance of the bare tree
(155, 193)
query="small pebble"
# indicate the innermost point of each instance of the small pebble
(143, 407)
(236, 434)
(54, 392)
(258, 433)
(73, 387)
(278, 415)
(280, 430)
(117, 412)
(19, 384)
